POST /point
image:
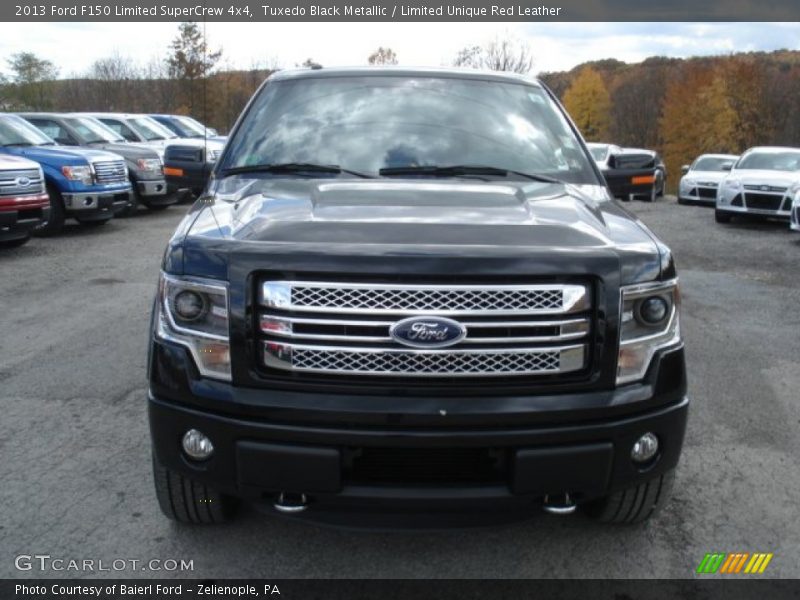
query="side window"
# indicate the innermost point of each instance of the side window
(54, 130)
(122, 129)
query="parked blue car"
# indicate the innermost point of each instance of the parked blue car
(88, 185)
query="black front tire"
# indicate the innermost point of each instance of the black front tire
(633, 505)
(55, 222)
(661, 182)
(5, 244)
(94, 223)
(186, 501)
(133, 204)
(722, 217)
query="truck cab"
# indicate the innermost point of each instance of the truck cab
(88, 185)
(24, 203)
(145, 168)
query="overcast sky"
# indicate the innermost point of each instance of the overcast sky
(74, 46)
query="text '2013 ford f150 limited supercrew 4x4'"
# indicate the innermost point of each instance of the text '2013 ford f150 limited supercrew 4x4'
(408, 296)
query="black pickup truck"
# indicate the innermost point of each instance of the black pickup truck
(408, 297)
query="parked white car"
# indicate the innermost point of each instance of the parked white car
(762, 183)
(794, 221)
(701, 179)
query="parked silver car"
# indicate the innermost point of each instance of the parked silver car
(701, 179)
(762, 183)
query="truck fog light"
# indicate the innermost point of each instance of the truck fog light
(197, 445)
(189, 305)
(653, 310)
(645, 448)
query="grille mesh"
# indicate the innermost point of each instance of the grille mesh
(426, 300)
(449, 363)
(10, 187)
(112, 171)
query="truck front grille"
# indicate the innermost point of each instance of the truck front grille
(20, 182)
(111, 171)
(346, 329)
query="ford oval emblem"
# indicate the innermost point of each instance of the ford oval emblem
(22, 182)
(428, 332)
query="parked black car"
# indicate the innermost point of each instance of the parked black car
(407, 295)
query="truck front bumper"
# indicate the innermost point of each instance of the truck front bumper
(95, 205)
(20, 215)
(354, 472)
(151, 189)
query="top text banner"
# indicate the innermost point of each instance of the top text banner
(410, 10)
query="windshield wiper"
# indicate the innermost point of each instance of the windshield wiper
(18, 144)
(456, 170)
(292, 168)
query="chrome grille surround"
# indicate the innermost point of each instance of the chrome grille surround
(110, 171)
(10, 182)
(345, 328)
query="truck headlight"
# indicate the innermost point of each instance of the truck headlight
(81, 173)
(194, 313)
(149, 164)
(649, 321)
(212, 155)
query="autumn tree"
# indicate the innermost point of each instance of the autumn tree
(504, 53)
(191, 61)
(31, 80)
(589, 104)
(697, 117)
(383, 56)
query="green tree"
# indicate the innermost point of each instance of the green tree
(190, 61)
(589, 104)
(31, 81)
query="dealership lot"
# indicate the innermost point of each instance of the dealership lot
(76, 480)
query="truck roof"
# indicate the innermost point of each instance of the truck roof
(436, 72)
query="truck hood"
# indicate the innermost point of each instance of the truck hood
(10, 161)
(62, 155)
(706, 176)
(129, 151)
(420, 216)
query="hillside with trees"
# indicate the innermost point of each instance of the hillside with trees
(680, 107)
(685, 107)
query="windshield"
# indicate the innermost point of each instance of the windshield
(370, 123)
(788, 160)
(712, 163)
(92, 131)
(150, 130)
(190, 127)
(15, 131)
(598, 152)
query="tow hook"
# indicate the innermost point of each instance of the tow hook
(288, 503)
(561, 504)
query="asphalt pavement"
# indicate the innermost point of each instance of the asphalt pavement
(75, 479)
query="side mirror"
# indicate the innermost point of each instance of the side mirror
(727, 166)
(685, 169)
